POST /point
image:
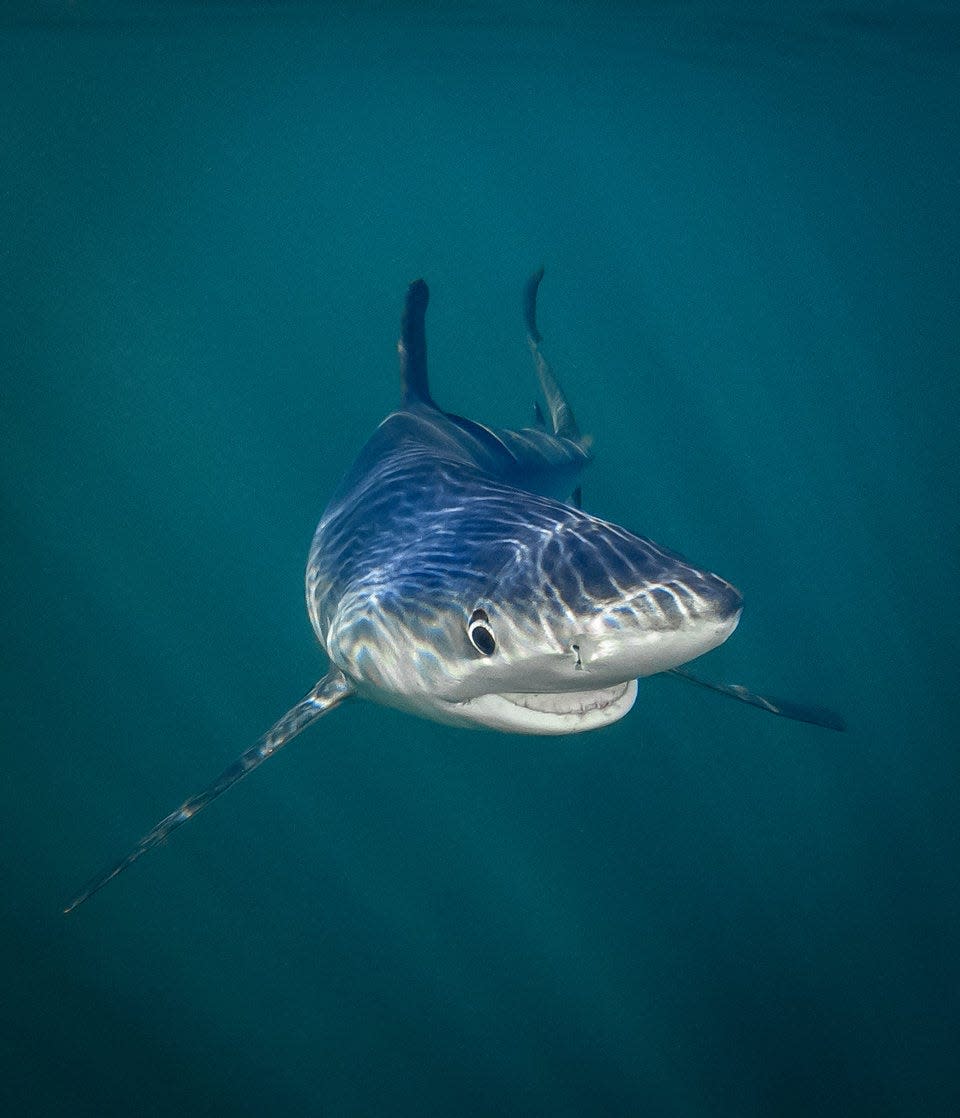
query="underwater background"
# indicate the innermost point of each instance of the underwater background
(748, 213)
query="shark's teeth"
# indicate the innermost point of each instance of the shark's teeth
(550, 712)
(576, 703)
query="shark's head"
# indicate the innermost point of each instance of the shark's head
(543, 628)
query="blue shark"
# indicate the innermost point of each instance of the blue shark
(455, 576)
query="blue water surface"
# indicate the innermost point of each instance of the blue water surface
(749, 216)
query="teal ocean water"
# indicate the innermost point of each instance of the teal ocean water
(749, 218)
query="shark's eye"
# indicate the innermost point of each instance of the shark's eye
(480, 634)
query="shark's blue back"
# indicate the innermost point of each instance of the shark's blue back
(428, 476)
(433, 494)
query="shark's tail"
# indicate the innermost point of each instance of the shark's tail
(561, 414)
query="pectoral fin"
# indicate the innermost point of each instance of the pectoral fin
(328, 693)
(798, 712)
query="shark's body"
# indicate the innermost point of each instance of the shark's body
(450, 577)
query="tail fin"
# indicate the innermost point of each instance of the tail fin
(561, 414)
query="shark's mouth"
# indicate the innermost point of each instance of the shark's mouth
(551, 712)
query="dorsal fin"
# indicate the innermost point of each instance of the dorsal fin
(412, 347)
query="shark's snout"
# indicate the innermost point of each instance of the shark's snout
(721, 600)
(685, 598)
(727, 601)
